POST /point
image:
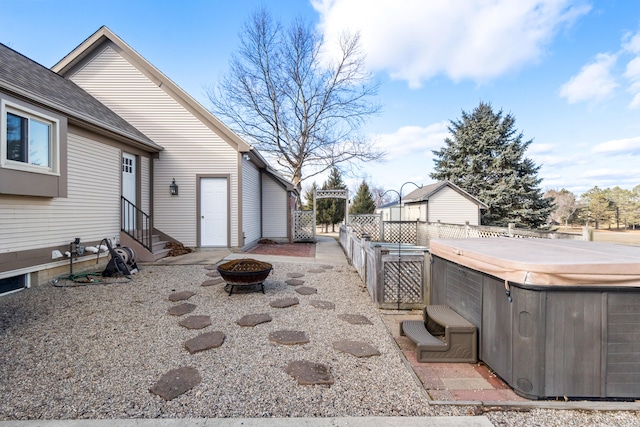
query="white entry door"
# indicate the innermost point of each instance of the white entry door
(129, 190)
(213, 212)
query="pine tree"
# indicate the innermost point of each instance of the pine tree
(335, 207)
(363, 201)
(485, 157)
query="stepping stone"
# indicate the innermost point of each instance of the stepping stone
(211, 267)
(176, 382)
(196, 322)
(306, 290)
(325, 305)
(212, 282)
(181, 296)
(326, 267)
(182, 309)
(295, 275)
(309, 373)
(254, 319)
(356, 348)
(284, 302)
(204, 342)
(289, 337)
(214, 273)
(294, 282)
(355, 319)
(316, 270)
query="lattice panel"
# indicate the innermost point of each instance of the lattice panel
(392, 230)
(404, 280)
(369, 224)
(303, 226)
(331, 194)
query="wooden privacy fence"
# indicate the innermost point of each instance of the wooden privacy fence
(397, 274)
(394, 279)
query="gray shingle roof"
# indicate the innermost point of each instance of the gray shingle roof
(29, 79)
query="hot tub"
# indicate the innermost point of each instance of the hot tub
(555, 317)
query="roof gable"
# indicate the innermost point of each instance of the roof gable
(30, 80)
(426, 191)
(93, 45)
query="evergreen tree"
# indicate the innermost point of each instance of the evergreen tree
(308, 195)
(335, 207)
(363, 201)
(485, 157)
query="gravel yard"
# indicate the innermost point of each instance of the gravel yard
(95, 351)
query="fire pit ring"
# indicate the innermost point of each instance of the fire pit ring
(244, 272)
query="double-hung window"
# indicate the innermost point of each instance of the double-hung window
(29, 140)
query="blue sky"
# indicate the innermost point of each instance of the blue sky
(568, 70)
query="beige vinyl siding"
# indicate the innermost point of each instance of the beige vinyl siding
(450, 207)
(251, 200)
(91, 211)
(274, 209)
(191, 148)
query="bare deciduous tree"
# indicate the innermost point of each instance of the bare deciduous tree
(286, 98)
(565, 205)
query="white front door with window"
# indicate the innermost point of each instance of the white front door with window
(213, 212)
(129, 190)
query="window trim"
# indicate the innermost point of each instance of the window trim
(54, 148)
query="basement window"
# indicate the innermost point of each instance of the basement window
(13, 284)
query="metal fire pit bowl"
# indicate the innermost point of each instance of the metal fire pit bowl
(245, 273)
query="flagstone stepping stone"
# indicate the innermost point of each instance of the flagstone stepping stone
(196, 322)
(295, 275)
(306, 290)
(356, 348)
(176, 382)
(309, 373)
(355, 319)
(181, 309)
(326, 267)
(212, 282)
(316, 270)
(214, 273)
(204, 342)
(325, 305)
(211, 267)
(294, 282)
(254, 319)
(284, 302)
(289, 337)
(181, 296)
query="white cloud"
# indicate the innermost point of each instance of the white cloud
(619, 146)
(413, 139)
(595, 81)
(414, 40)
(632, 73)
(535, 148)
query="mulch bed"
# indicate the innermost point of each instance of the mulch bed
(286, 249)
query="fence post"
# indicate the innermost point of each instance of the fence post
(380, 228)
(375, 285)
(511, 228)
(467, 229)
(587, 233)
(438, 229)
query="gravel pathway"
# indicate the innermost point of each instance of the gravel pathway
(94, 351)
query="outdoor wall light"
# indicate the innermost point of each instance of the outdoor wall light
(173, 188)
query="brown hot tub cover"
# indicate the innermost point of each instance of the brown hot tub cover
(545, 262)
